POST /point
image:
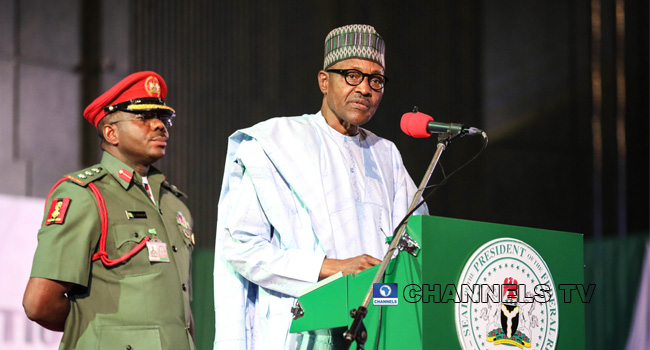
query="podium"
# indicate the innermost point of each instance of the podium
(437, 310)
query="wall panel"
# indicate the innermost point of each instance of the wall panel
(231, 64)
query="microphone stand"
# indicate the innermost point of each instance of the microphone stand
(357, 331)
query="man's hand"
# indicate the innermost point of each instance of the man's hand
(347, 266)
(45, 302)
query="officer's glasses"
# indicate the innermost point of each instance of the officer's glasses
(355, 77)
(146, 117)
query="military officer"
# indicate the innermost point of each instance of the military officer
(112, 265)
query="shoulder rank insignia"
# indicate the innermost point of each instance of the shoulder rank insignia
(85, 176)
(58, 209)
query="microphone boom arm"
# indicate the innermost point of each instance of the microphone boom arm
(358, 314)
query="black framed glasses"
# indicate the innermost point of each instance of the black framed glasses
(355, 77)
(146, 117)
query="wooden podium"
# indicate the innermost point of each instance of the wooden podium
(546, 266)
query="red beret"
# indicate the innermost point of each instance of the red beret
(141, 91)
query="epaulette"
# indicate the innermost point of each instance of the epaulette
(88, 175)
(173, 189)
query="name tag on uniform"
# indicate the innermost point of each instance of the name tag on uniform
(135, 214)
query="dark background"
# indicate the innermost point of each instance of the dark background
(561, 91)
(521, 71)
(560, 87)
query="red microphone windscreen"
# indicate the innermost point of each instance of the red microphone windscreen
(415, 124)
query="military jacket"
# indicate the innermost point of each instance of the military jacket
(137, 304)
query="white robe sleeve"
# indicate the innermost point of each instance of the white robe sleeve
(262, 252)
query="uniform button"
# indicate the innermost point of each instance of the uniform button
(174, 248)
(128, 347)
(135, 235)
(184, 287)
(160, 210)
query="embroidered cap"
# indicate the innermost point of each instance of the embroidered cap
(354, 41)
(141, 91)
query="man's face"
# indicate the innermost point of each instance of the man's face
(347, 107)
(140, 141)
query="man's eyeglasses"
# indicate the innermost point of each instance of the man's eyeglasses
(147, 117)
(355, 77)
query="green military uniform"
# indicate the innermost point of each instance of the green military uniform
(137, 304)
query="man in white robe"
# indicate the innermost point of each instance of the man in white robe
(306, 197)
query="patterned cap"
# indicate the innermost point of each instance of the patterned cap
(354, 41)
(141, 91)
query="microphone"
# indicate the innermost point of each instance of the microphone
(421, 125)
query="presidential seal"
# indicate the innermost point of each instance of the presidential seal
(506, 297)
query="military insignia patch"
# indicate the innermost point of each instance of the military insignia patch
(58, 209)
(152, 86)
(125, 175)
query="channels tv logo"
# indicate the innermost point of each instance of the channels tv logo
(384, 294)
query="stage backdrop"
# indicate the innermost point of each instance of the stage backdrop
(22, 219)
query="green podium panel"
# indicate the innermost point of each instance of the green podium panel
(429, 314)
